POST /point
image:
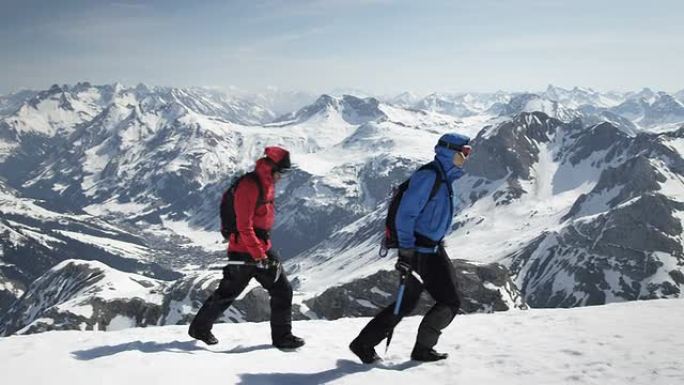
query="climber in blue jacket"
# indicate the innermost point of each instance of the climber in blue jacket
(423, 218)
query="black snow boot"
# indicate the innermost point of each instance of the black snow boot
(423, 354)
(288, 342)
(205, 336)
(366, 353)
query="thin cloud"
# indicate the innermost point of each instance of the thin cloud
(125, 5)
(279, 40)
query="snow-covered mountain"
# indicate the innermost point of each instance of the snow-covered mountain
(635, 342)
(136, 173)
(89, 295)
(280, 102)
(680, 96)
(405, 99)
(651, 110)
(158, 165)
(34, 239)
(518, 165)
(80, 295)
(605, 210)
(534, 103)
(578, 97)
(12, 102)
(349, 109)
(647, 109)
(437, 103)
(645, 94)
(455, 104)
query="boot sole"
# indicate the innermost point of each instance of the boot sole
(288, 348)
(367, 362)
(193, 335)
(429, 360)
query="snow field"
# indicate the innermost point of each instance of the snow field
(628, 343)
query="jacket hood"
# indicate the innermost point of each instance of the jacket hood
(279, 156)
(444, 156)
(264, 169)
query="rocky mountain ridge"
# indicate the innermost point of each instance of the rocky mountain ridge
(130, 176)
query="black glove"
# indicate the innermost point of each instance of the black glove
(406, 260)
(273, 255)
(273, 261)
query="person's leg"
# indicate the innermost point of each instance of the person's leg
(280, 291)
(438, 273)
(235, 279)
(379, 327)
(376, 330)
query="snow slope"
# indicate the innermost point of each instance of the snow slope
(612, 344)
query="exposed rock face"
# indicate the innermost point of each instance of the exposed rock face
(484, 288)
(629, 253)
(34, 239)
(620, 241)
(85, 295)
(81, 295)
(156, 156)
(310, 222)
(185, 296)
(507, 153)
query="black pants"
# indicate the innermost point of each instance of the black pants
(438, 279)
(235, 279)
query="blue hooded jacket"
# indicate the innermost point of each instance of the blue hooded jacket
(417, 213)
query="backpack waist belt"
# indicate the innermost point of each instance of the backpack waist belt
(262, 234)
(423, 241)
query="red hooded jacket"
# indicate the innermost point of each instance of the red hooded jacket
(248, 215)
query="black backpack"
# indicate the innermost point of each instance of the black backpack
(391, 240)
(227, 210)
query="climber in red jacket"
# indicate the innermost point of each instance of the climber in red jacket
(249, 241)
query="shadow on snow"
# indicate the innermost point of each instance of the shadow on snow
(343, 368)
(155, 347)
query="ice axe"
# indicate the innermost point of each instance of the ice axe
(405, 270)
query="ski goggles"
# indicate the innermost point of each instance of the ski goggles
(463, 149)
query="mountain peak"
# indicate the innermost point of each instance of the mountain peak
(352, 109)
(55, 88)
(325, 100)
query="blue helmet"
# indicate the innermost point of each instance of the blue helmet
(445, 149)
(449, 143)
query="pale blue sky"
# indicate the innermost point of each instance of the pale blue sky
(382, 46)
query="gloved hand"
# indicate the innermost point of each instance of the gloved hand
(226, 235)
(272, 260)
(406, 260)
(408, 255)
(273, 255)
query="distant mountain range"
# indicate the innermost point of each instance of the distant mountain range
(576, 195)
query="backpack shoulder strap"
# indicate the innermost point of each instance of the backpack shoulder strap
(253, 176)
(438, 177)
